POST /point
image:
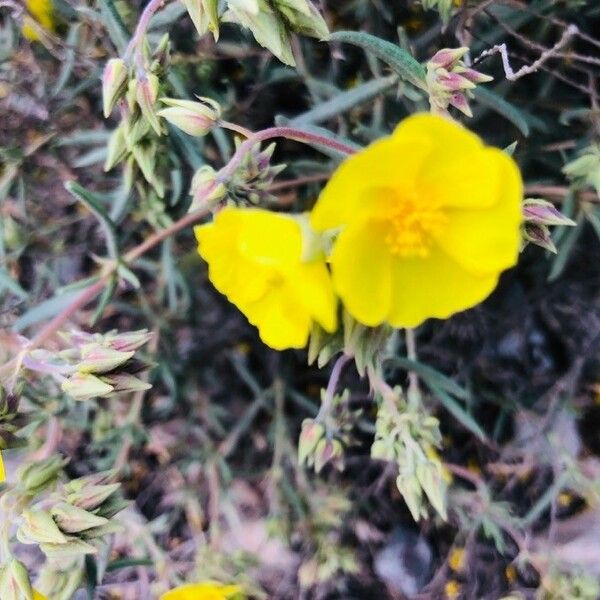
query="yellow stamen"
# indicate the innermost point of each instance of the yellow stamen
(413, 224)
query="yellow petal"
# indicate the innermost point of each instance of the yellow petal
(2, 471)
(434, 286)
(361, 264)
(203, 591)
(487, 240)
(280, 317)
(440, 132)
(353, 192)
(311, 283)
(38, 596)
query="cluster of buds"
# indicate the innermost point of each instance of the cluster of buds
(450, 82)
(135, 89)
(409, 436)
(11, 421)
(316, 448)
(70, 520)
(538, 216)
(248, 185)
(272, 22)
(585, 170)
(95, 365)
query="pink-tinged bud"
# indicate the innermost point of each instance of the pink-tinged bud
(114, 84)
(545, 213)
(476, 76)
(312, 433)
(98, 359)
(453, 82)
(126, 342)
(539, 235)
(446, 57)
(146, 93)
(85, 386)
(459, 101)
(206, 188)
(329, 452)
(124, 382)
(195, 118)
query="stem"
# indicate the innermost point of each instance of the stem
(290, 133)
(334, 379)
(134, 46)
(237, 128)
(414, 394)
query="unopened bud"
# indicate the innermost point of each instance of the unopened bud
(539, 235)
(114, 84)
(85, 386)
(312, 433)
(195, 118)
(117, 148)
(99, 359)
(146, 93)
(124, 382)
(91, 497)
(544, 212)
(72, 519)
(132, 340)
(33, 477)
(38, 527)
(14, 581)
(206, 187)
(446, 57)
(204, 15)
(328, 452)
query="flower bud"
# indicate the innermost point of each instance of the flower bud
(114, 84)
(205, 16)
(146, 92)
(543, 212)
(14, 581)
(117, 148)
(125, 342)
(206, 188)
(312, 433)
(447, 57)
(72, 519)
(91, 497)
(124, 382)
(539, 235)
(99, 359)
(328, 452)
(195, 118)
(85, 386)
(38, 527)
(33, 477)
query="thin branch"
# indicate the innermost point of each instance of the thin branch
(546, 55)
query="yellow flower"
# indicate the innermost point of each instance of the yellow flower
(429, 218)
(207, 590)
(257, 259)
(41, 11)
(2, 471)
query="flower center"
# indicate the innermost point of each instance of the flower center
(412, 226)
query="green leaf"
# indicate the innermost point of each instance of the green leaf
(429, 374)
(114, 25)
(565, 249)
(94, 204)
(345, 101)
(453, 407)
(7, 282)
(402, 63)
(46, 310)
(502, 107)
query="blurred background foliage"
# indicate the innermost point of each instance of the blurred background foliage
(207, 457)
